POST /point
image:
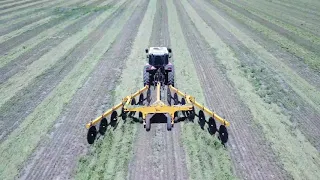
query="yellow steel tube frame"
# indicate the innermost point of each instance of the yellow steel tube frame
(158, 107)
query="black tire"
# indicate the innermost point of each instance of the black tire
(192, 114)
(92, 134)
(176, 99)
(212, 126)
(171, 77)
(223, 134)
(169, 96)
(146, 77)
(183, 101)
(141, 99)
(148, 124)
(123, 114)
(113, 118)
(133, 102)
(103, 126)
(149, 95)
(169, 125)
(202, 119)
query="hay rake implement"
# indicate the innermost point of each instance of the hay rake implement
(160, 75)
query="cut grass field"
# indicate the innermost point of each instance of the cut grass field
(256, 63)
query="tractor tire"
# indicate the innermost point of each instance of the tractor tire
(103, 126)
(146, 77)
(92, 134)
(223, 134)
(171, 77)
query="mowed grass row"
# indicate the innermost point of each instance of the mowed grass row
(206, 157)
(305, 23)
(64, 20)
(24, 77)
(305, 90)
(308, 57)
(26, 28)
(23, 6)
(16, 149)
(23, 19)
(110, 155)
(270, 84)
(298, 156)
(307, 41)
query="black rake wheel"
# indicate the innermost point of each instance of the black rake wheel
(169, 96)
(92, 134)
(223, 134)
(169, 125)
(148, 124)
(141, 99)
(149, 95)
(212, 126)
(133, 102)
(103, 126)
(202, 119)
(113, 118)
(176, 99)
(183, 101)
(123, 114)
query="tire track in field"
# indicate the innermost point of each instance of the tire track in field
(306, 117)
(69, 128)
(220, 91)
(25, 59)
(156, 154)
(19, 106)
(15, 41)
(14, 24)
(298, 156)
(52, 106)
(29, 5)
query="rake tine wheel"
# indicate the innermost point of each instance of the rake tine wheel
(92, 134)
(103, 126)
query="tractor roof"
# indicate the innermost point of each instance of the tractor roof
(158, 50)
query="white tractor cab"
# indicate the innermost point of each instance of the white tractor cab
(158, 67)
